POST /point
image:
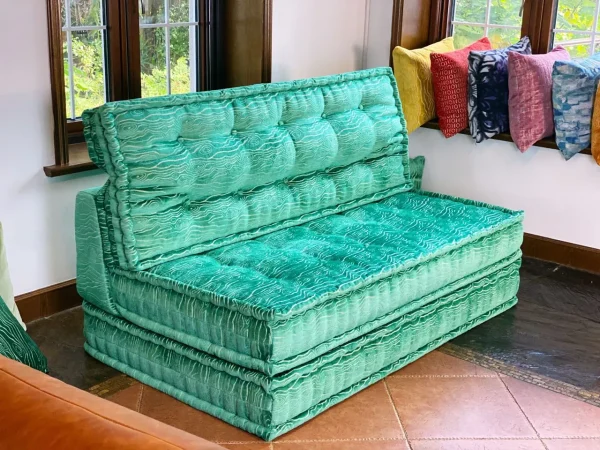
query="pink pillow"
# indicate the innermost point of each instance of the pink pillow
(530, 96)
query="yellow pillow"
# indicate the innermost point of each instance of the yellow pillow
(596, 129)
(412, 69)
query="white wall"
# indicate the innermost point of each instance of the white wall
(560, 198)
(317, 37)
(36, 212)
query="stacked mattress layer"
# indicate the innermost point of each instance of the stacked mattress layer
(271, 405)
(278, 301)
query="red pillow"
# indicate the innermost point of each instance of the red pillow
(450, 73)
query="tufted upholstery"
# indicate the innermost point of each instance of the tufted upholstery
(193, 172)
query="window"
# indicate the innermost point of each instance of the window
(499, 20)
(106, 50)
(576, 27)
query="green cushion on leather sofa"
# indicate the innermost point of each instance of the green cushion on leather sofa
(16, 344)
(260, 252)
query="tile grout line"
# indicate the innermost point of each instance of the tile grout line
(441, 376)
(522, 412)
(138, 405)
(389, 394)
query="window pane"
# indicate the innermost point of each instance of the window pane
(86, 13)
(503, 37)
(153, 62)
(152, 11)
(88, 70)
(575, 14)
(180, 60)
(577, 44)
(466, 34)
(470, 11)
(505, 12)
(180, 11)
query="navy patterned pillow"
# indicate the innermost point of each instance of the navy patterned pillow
(488, 90)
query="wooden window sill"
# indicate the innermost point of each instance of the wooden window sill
(79, 161)
(546, 142)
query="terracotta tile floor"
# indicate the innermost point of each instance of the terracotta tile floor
(437, 403)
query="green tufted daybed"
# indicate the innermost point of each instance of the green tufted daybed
(259, 252)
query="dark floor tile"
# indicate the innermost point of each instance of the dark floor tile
(60, 337)
(561, 288)
(543, 334)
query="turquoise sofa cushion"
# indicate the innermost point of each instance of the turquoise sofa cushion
(190, 173)
(417, 166)
(279, 300)
(16, 344)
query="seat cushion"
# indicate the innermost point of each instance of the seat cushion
(276, 301)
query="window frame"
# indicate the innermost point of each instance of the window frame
(539, 31)
(123, 72)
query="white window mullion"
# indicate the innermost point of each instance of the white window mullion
(168, 47)
(103, 35)
(70, 56)
(193, 31)
(595, 24)
(488, 8)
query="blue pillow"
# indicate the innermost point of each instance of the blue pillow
(573, 90)
(488, 90)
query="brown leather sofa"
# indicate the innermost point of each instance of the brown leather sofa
(39, 412)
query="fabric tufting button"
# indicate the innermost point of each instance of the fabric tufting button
(361, 107)
(233, 131)
(323, 115)
(280, 123)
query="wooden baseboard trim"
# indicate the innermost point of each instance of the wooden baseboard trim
(47, 301)
(563, 253)
(62, 296)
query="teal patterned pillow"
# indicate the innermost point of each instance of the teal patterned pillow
(16, 344)
(417, 164)
(573, 90)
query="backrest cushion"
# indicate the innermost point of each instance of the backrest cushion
(488, 90)
(573, 88)
(450, 73)
(530, 96)
(188, 173)
(413, 74)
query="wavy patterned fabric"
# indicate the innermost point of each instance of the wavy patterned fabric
(16, 344)
(270, 406)
(488, 90)
(413, 74)
(188, 173)
(574, 86)
(417, 166)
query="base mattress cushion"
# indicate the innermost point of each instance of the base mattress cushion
(270, 405)
(276, 301)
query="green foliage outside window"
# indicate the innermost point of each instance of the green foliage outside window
(87, 54)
